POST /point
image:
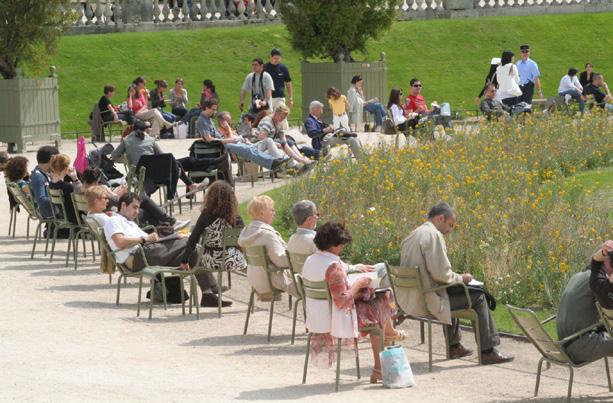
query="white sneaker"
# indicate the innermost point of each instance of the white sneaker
(181, 224)
(567, 99)
(293, 164)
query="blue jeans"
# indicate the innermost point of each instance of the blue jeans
(576, 96)
(378, 110)
(250, 152)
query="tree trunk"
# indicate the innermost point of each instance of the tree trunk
(339, 53)
(7, 69)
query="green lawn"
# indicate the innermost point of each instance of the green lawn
(450, 56)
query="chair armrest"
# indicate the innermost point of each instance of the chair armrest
(142, 252)
(549, 319)
(445, 286)
(275, 269)
(579, 333)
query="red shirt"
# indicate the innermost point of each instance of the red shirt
(138, 103)
(416, 103)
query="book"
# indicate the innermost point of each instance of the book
(374, 282)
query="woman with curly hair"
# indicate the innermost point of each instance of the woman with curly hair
(16, 171)
(60, 172)
(220, 210)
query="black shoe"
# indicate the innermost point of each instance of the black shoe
(211, 301)
(276, 164)
(215, 290)
(157, 293)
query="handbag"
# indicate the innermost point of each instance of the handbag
(388, 126)
(395, 368)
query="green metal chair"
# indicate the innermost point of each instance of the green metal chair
(135, 180)
(606, 315)
(230, 239)
(318, 290)
(257, 256)
(25, 201)
(296, 262)
(149, 272)
(60, 221)
(204, 151)
(552, 351)
(409, 278)
(81, 207)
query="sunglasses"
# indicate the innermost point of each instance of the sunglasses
(416, 85)
(525, 51)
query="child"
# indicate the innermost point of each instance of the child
(339, 105)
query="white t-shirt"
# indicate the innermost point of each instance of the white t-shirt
(118, 224)
(100, 218)
(570, 84)
(253, 85)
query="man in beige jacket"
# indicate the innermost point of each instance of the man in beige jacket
(425, 248)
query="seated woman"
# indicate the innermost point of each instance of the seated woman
(16, 171)
(260, 232)
(156, 96)
(220, 210)
(354, 307)
(137, 102)
(108, 111)
(358, 104)
(570, 85)
(60, 170)
(178, 98)
(149, 213)
(270, 126)
(395, 107)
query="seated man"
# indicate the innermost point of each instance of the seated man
(264, 153)
(416, 103)
(321, 133)
(125, 236)
(425, 248)
(302, 241)
(602, 98)
(492, 107)
(577, 310)
(271, 126)
(40, 178)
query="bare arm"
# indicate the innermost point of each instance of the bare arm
(124, 242)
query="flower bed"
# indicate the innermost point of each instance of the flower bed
(524, 224)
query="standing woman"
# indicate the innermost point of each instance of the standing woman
(507, 76)
(138, 105)
(220, 210)
(178, 98)
(60, 169)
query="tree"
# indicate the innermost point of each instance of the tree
(335, 28)
(29, 31)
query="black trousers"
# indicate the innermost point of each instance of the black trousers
(527, 92)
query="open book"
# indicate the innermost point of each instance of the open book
(374, 282)
(476, 283)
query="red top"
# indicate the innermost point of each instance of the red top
(416, 103)
(137, 103)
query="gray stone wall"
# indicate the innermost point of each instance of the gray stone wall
(100, 16)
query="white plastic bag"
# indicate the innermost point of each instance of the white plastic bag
(395, 368)
(180, 131)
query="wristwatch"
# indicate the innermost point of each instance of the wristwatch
(142, 240)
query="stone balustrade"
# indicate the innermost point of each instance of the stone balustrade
(97, 16)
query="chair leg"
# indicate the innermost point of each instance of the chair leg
(357, 356)
(338, 363)
(55, 230)
(118, 288)
(272, 310)
(181, 278)
(163, 292)
(93, 249)
(140, 292)
(229, 279)
(75, 249)
(290, 302)
(421, 332)
(37, 234)
(27, 229)
(69, 247)
(195, 293)
(448, 353)
(11, 221)
(606, 365)
(538, 377)
(477, 338)
(219, 290)
(430, 346)
(151, 285)
(294, 321)
(570, 383)
(47, 241)
(306, 359)
(251, 297)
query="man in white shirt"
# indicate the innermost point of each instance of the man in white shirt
(125, 236)
(260, 85)
(571, 87)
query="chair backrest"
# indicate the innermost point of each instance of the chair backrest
(404, 277)
(256, 256)
(230, 236)
(57, 204)
(534, 331)
(24, 200)
(296, 261)
(207, 150)
(607, 317)
(81, 207)
(136, 178)
(314, 289)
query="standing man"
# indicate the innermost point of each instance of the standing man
(260, 85)
(425, 248)
(528, 75)
(281, 79)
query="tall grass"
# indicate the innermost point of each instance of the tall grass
(523, 225)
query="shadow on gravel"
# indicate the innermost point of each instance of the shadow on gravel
(575, 398)
(80, 287)
(236, 339)
(294, 392)
(66, 271)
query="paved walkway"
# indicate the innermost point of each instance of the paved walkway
(63, 339)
